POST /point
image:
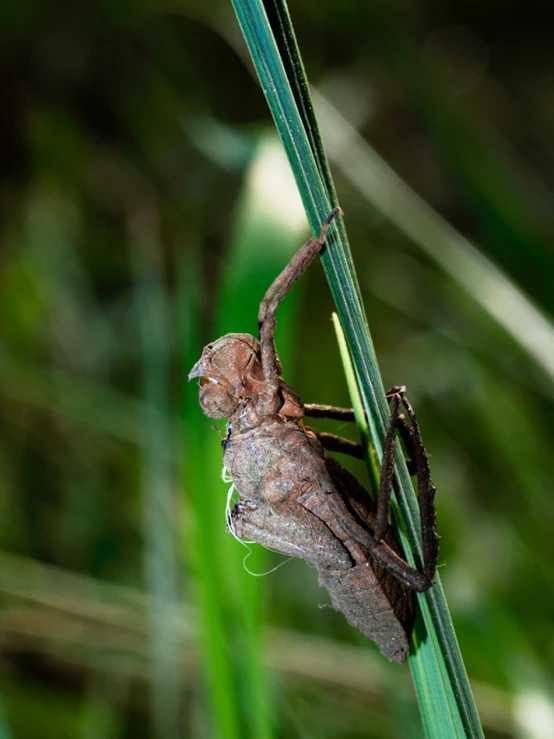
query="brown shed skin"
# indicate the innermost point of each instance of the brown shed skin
(297, 499)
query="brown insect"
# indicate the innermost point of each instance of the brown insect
(297, 499)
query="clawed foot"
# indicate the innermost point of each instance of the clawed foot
(240, 508)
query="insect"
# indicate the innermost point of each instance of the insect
(297, 499)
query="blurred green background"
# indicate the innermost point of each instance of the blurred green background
(145, 207)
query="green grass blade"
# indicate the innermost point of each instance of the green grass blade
(446, 701)
(357, 405)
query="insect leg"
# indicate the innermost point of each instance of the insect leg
(426, 494)
(387, 473)
(338, 444)
(274, 296)
(314, 410)
(295, 268)
(333, 511)
(426, 490)
(407, 435)
(390, 561)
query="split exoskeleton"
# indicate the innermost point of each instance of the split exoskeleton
(297, 499)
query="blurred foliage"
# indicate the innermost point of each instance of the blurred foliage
(144, 213)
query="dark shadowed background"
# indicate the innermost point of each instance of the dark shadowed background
(145, 207)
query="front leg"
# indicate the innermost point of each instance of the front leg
(274, 296)
(334, 443)
(315, 410)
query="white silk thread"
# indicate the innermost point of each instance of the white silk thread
(226, 477)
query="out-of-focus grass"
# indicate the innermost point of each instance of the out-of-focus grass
(465, 265)
(71, 617)
(506, 200)
(4, 729)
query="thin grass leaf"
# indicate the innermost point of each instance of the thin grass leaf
(357, 405)
(444, 693)
(467, 266)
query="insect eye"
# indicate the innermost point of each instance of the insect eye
(206, 380)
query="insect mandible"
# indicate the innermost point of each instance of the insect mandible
(297, 499)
